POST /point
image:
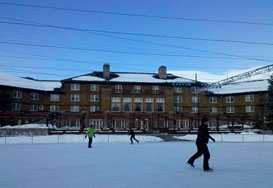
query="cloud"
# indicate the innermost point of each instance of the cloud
(207, 76)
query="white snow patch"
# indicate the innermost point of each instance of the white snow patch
(27, 126)
(13, 81)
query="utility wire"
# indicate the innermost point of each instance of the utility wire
(153, 35)
(140, 15)
(50, 58)
(142, 41)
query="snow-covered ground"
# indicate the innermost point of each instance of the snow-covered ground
(144, 165)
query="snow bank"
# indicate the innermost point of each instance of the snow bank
(26, 126)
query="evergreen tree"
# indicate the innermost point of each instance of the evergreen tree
(269, 104)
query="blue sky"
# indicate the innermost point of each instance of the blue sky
(24, 60)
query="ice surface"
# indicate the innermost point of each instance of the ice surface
(144, 165)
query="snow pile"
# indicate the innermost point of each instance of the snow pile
(27, 126)
(13, 81)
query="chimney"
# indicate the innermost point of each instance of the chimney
(162, 72)
(106, 71)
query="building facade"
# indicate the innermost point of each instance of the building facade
(144, 101)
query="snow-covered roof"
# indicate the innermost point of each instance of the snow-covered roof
(246, 84)
(241, 87)
(14, 81)
(136, 77)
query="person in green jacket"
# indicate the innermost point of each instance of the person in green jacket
(90, 133)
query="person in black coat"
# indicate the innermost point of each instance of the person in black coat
(132, 134)
(201, 143)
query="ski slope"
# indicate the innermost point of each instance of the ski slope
(144, 165)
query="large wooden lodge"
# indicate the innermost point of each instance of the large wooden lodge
(144, 101)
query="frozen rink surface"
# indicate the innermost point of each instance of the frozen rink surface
(144, 165)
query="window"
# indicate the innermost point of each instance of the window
(229, 99)
(177, 109)
(159, 104)
(74, 108)
(41, 107)
(149, 104)
(118, 88)
(97, 123)
(230, 109)
(137, 89)
(115, 106)
(194, 89)
(194, 99)
(17, 94)
(250, 108)
(34, 96)
(75, 87)
(73, 122)
(126, 105)
(94, 108)
(75, 97)
(94, 98)
(178, 99)
(54, 108)
(33, 107)
(249, 98)
(178, 89)
(15, 106)
(213, 100)
(213, 109)
(94, 87)
(155, 89)
(138, 104)
(54, 97)
(194, 109)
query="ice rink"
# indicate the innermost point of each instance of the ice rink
(144, 165)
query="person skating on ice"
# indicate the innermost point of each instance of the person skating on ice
(90, 133)
(201, 143)
(132, 134)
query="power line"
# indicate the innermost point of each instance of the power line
(120, 63)
(50, 58)
(103, 50)
(147, 35)
(183, 38)
(142, 41)
(141, 15)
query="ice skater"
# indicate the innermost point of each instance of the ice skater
(90, 133)
(202, 148)
(132, 134)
